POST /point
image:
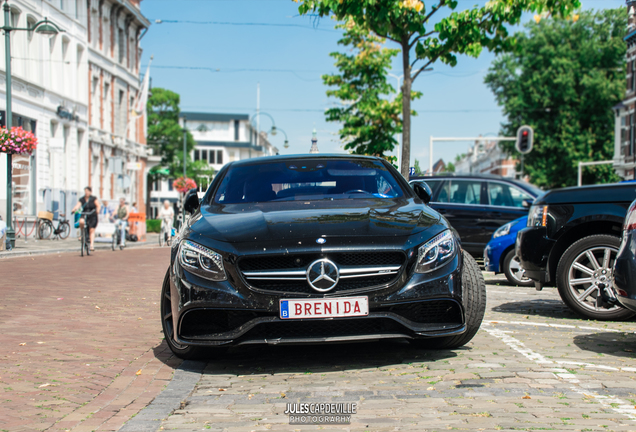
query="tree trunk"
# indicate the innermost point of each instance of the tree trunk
(406, 110)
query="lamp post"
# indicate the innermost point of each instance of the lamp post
(44, 27)
(257, 116)
(275, 130)
(185, 151)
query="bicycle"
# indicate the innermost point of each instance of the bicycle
(46, 228)
(85, 245)
(117, 238)
(165, 236)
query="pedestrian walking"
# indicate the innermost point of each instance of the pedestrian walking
(122, 219)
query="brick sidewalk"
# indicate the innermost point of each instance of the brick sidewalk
(82, 347)
(31, 246)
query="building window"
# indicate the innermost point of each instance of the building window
(219, 157)
(170, 188)
(204, 155)
(122, 46)
(236, 130)
(211, 157)
(197, 155)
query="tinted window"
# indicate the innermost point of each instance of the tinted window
(460, 192)
(307, 179)
(501, 194)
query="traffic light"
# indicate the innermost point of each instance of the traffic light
(525, 136)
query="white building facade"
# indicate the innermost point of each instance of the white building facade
(50, 99)
(486, 157)
(220, 138)
(74, 91)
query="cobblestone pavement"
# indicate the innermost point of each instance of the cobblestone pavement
(533, 366)
(81, 346)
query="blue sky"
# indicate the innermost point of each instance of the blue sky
(288, 62)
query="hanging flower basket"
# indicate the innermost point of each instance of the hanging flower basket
(17, 141)
(184, 186)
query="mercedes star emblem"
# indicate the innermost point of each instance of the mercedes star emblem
(323, 275)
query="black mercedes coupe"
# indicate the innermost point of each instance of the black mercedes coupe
(317, 249)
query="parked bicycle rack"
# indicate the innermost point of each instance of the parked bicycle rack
(22, 228)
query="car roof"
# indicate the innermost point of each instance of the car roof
(281, 158)
(527, 186)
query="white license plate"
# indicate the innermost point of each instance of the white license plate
(324, 308)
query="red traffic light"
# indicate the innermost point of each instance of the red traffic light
(525, 133)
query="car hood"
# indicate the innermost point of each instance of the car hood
(296, 220)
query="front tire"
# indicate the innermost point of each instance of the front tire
(513, 271)
(185, 352)
(45, 229)
(583, 270)
(474, 300)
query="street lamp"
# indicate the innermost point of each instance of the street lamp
(275, 130)
(44, 27)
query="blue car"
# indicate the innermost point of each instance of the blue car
(499, 254)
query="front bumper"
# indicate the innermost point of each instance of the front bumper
(625, 273)
(533, 248)
(224, 314)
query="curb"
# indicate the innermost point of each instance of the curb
(26, 253)
(184, 380)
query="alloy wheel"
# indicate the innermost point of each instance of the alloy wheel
(590, 273)
(518, 273)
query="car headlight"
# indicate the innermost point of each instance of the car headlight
(502, 230)
(538, 216)
(201, 261)
(435, 252)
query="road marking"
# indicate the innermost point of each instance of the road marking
(608, 402)
(566, 326)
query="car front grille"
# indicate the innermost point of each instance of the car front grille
(287, 273)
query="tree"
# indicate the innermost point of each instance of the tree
(407, 23)
(165, 136)
(450, 167)
(416, 167)
(369, 119)
(563, 78)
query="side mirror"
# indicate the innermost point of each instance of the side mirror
(423, 191)
(527, 203)
(191, 201)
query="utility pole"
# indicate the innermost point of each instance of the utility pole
(9, 122)
(258, 117)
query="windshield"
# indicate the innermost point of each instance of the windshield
(307, 179)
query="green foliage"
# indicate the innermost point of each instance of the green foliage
(165, 136)
(450, 167)
(370, 120)
(409, 23)
(416, 167)
(563, 78)
(153, 225)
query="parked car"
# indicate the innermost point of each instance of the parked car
(625, 265)
(477, 205)
(572, 240)
(309, 249)
(500, 256)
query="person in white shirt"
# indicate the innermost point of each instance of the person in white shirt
(166, 214)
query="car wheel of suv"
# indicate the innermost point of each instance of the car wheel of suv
(474, 299)
(584, 270)
(513, 271)
(185, 352)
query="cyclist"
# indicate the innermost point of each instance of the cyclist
(88, 203)
(122, 219)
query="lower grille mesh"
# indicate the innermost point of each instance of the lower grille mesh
(332, 328)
